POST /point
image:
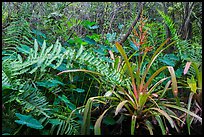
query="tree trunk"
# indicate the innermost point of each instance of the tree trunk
(184, 30)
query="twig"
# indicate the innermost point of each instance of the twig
(133, 24)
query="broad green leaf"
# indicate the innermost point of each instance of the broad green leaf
(89, 40)
(54, 81)
(120, 105)
(54, 121)
(49, 83)
(94, 27)
(167, 61)
(28, 121)
(192, 84)
(67, 102)
(38, 33)
(108, 120)
(179, 72)
(79, 90)
(23, 49)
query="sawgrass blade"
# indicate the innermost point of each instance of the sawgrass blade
(174, 82)
(155, 55)
(79, 70)
(188, 117)
(97, 126)
(166, 115)
(185, 110)
(149, 126)
(161, 124)
(133, 122)
(119, 107)
(87, 117)
(122, 52)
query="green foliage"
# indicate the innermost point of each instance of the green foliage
(84, 83)
(186, 50)
(18, 32)
(138, 99)
(28, 121)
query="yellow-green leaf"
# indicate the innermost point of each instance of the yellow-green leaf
(142, 98)
(192, 84)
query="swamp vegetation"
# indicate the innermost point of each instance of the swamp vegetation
(101, 68)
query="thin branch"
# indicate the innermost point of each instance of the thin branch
(133, 24)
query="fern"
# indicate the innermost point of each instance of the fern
(6, 83)
(182, 45)
(33, 100)
(38, 60)
(18, 32)
(94, 63)
(168, 21)
(36, 63)
(53, 56)
(65, 127)
(156, 33)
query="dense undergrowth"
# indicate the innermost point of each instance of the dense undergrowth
(70, 75)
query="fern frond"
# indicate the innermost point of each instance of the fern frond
(39, 60)
(18, 32)
(33, 100)
(95, 63)
(6, 82)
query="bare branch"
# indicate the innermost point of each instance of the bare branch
(133, 24)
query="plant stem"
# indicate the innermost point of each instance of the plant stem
(18, 130)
